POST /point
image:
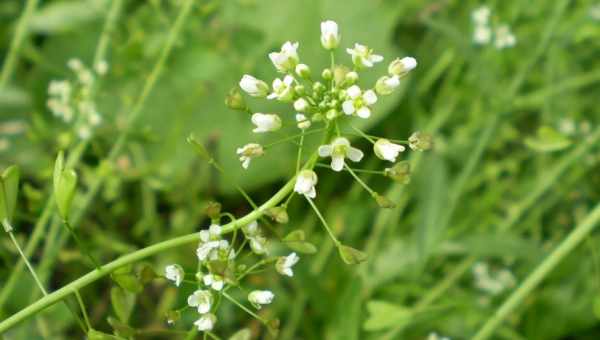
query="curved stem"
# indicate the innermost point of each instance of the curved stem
(106, 269)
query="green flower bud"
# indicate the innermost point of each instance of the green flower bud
(327, 74)
(213, 210)
(318, 87)
(420, 141)
(278, 214)
(235, 100)
(351, 78)
(400, 172)
(383, 201)
(303, 71)
(300, 90)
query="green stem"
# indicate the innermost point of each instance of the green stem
(574, 238)
(107, 30)
(364, 135)
(287, 139)
(365, 171)
(83, 310)
(26, 261)
(106, 269)
(331, 234)
(15, 46)
(81, 246)
(244, 308)
(360, 181)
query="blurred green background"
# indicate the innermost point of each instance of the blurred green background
(514, 167)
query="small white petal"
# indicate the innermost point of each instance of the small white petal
(337, 163)
(364, 112)
(353, 92)
(355, 154)
(370, 97)
(325, 150)
(348, 107)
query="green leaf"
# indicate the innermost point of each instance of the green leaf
(62, 16)
(351, 255)
(547, 140)
(127, 280)
(9, 188)
(242, 334)
(296, 241)
(384, 315)
(122, 303)
(120, 328)
(65, 184)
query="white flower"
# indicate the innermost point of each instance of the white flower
(481, 15)
(303, 122)
(175, 273)
(249, 151)
(305, 183)
(287, 59)
(387, 150)
(266, 122)
(202, 300)
(205, 250)
(258, 244)
(285, 263)
(386, 85)
(338, 150)
(206, 322)
(359, 102)
(482, 35)
(434, 336)
(84, 132)
(301, 105)
(400, 67)
(363, 56)
(504, 37)
(330, 38)
(251, 229)
(75, 64)
(283, 89)
(261, 297)
(213, 281)
(254, 87)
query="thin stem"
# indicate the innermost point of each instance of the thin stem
(26, 261)
(332, 57)
(80, 244)
(15, 46)
(244, 308)
(574, 238)
(83, 310)
(364, 135)
(360, 181)
(107, 30)
(312, 204)
(299, 157)
(143, 253)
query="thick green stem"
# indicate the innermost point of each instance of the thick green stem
(106, 269)
(533, 280)
(15, 46)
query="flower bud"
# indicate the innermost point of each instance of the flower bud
(254, 87)
(206, 322)
(386, 85)
(332, 114)
(278, 214)
(303, 122)
(386, 150)
(286, 59)
(318, 87)
(213, 210)
(303, 71)
(301, 105)
(260, 297)
(235, 100)
(300, 90)
(266, 122)
(351, 78)
(400, 67)
(400, 172)
(330, 38)
(420, 141)
(383, 201)
(327, 74)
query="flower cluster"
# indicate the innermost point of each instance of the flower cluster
(218, 272)
(483, 34)
(325, 105)
(73, 100)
